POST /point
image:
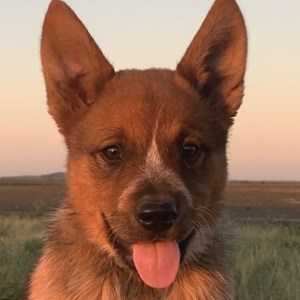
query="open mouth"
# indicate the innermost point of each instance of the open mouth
(156, 261)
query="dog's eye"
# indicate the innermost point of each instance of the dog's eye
(190, 152)
(112, 153)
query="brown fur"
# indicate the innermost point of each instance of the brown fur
(95, 107)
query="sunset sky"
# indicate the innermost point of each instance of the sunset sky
(264, 142)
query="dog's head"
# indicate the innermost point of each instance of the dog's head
(146, 149)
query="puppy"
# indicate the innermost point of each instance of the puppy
(146, 165)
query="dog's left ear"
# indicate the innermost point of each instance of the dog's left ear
(215, 62)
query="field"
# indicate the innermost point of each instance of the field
(264, 218)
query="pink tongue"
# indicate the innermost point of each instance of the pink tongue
(157, 263)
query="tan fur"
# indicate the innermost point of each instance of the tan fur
(149, 114)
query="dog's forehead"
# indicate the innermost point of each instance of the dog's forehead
(145, 99)
(137, 106)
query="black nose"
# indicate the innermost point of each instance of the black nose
(157, 216)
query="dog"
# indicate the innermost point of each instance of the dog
(146, 165)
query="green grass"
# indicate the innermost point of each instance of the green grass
(20, 244)
(267, 264)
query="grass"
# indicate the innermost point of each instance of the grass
(267, 262)
(266, 267)
(20, 244)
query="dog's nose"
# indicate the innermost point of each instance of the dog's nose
(157, 217)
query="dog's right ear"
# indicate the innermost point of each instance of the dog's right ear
(215, 62)
(74, 67)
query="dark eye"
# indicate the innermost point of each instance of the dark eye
(190, 152)
(112, 153)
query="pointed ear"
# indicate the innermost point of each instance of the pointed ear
(215, 62)
(74, 67)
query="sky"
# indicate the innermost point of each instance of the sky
(264, 142)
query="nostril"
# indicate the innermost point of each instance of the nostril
(157, 216)
(146, 217)
(169, 217)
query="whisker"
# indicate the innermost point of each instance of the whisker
(206, 210)
(208, 227)
(198, 228)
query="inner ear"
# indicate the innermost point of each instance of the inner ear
(213, 76)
